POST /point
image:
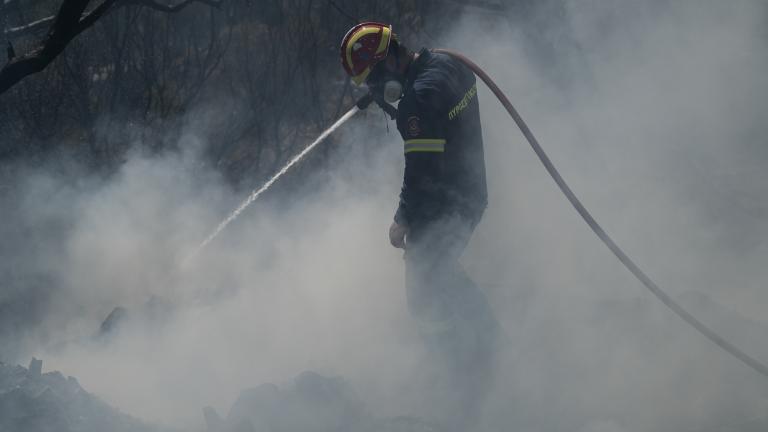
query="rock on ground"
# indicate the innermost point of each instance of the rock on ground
(32, 401)
(313, 403)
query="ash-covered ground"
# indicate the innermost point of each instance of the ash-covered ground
(41, 402)
(32, 401)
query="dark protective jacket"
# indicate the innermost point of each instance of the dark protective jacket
(439, 120)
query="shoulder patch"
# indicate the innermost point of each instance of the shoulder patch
(413, 126)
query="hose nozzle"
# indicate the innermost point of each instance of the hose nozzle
(364, 101)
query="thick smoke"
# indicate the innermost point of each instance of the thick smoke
(289, 286)
(653, 111)
(659, 128)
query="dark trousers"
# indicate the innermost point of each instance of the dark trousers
(454, 320)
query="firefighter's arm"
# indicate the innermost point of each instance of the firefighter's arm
(424, 145)
(418, 196)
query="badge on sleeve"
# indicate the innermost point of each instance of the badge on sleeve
(414, 129)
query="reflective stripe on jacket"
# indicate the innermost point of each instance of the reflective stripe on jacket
(439, 120)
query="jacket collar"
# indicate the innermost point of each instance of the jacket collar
(416, 66)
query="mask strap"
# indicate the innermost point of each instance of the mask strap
(397, 61)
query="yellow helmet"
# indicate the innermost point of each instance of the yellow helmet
(363, 46)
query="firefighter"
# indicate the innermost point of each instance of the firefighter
(441, 202)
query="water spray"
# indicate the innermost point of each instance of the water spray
(257, 192)
(365, 101)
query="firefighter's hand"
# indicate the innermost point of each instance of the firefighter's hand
(397, 235)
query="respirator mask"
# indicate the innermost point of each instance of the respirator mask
(389, 88)
(393, 91)
(386, 84)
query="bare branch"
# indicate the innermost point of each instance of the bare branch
(90, 18)
(480, 5)
(38, 25)
(69, 22)
(65, 22)
(152, 4)
(340, 10)
(61, 32)
(86, 20)
(32, 27)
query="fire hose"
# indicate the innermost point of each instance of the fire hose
(365, 101)
(584, 213)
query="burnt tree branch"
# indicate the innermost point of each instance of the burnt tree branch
(62, 31)
(32, 27)
(69, 22)
(162, 7)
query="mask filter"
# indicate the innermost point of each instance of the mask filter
(393, 90)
